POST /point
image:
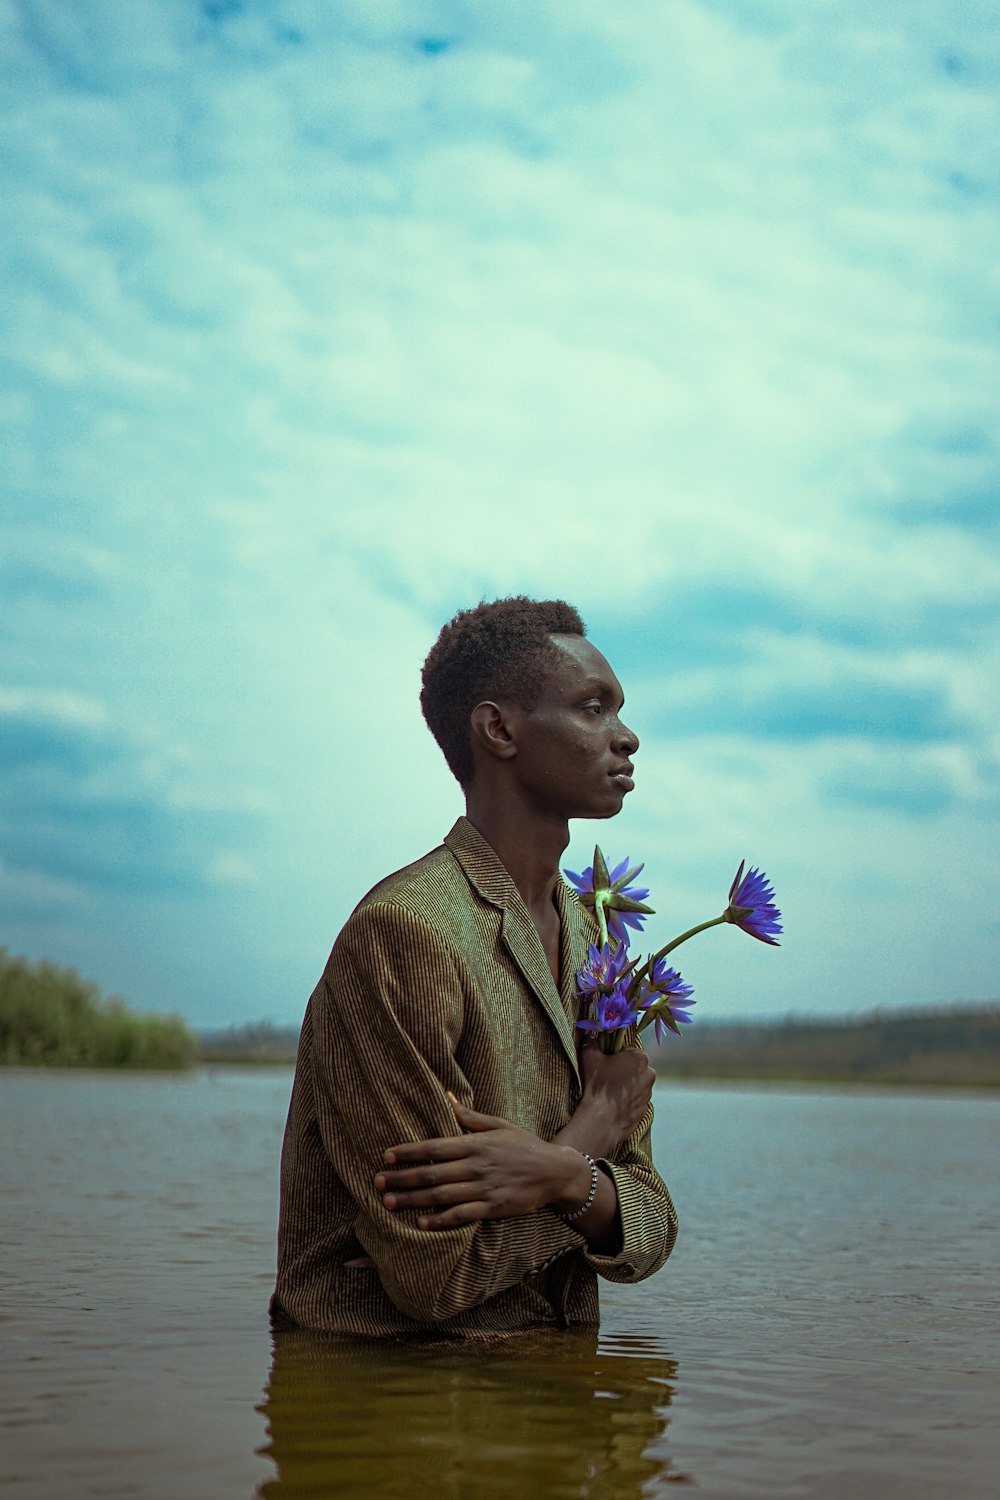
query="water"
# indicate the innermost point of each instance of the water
(826, 1325)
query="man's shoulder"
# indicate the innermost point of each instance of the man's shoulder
(427, 906)
(462, 873)
(434, 877)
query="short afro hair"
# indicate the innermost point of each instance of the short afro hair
(496, 650)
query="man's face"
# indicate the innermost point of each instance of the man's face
(574, 754)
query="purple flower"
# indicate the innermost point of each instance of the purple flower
(612, 1012)
(622, 902)
(666, 997)
(662, 980)
(751, 905)
(604, 968)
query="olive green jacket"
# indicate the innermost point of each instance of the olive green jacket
(439, 981)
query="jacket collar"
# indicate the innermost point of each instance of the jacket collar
(488, 876)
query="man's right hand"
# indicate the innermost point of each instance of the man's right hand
(617, 1088)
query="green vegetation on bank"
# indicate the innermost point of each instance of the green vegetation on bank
(52, 1017)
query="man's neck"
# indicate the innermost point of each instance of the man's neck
(529, 847)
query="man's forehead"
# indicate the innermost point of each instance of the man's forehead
(582, 665)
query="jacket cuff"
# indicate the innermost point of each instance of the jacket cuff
(646, 1239)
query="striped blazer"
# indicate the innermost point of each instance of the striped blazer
(439, 981)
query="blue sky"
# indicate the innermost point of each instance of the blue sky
(325, 321)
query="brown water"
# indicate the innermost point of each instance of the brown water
(826, 1326)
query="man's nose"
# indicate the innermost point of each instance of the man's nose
(626, 739)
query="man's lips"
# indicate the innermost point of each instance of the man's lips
(623, 776)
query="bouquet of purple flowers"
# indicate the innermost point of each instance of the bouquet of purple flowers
(622, 991)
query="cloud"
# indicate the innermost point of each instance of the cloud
(977, 514)
(323, 321)
(860, 709)
(84, 805)
(766, 667)
(906, 789)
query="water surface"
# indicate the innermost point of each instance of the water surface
(827, 1323)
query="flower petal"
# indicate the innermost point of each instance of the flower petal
(751, 905)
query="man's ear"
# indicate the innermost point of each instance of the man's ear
(491, 729)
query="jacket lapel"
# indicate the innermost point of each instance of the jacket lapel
(522, 942)
(577, 931)
(519, 935)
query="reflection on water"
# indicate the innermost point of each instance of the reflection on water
(547, 1414)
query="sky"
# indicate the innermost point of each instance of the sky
(325, 321)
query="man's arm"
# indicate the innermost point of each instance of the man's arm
(496, 1170)
(387, 1025)
(631, 1225)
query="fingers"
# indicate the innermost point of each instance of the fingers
(444, 1196)
(448, 1147)
(453, 1218)
(445, 1148)
(450, 1174)
(471, 1119)
(425, 1176)
(446, 1189)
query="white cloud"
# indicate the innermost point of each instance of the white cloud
(229, 867)
(68, 708)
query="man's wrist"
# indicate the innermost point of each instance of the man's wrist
(574, 1182)
(586, 1205)
(593, 1127)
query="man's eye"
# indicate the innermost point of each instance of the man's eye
(594, 708)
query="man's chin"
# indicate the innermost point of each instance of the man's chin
(604, 814)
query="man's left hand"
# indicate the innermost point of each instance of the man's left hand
(494, 1171)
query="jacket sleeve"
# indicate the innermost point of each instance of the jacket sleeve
(386, 1027)
(648, 1216)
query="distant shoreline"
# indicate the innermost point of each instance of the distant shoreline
(956, 1048)
(872, 1082)
(51, 1017)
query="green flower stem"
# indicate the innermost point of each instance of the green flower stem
(647, 967)
(602, 921)
(702, 927)
(615, 1039)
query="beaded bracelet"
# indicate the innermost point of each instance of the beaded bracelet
(579, 1212)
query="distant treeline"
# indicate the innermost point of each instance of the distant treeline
(52, 1017)
(959, 1045)
(259, 1042)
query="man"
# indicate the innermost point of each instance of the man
(452, 1163)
